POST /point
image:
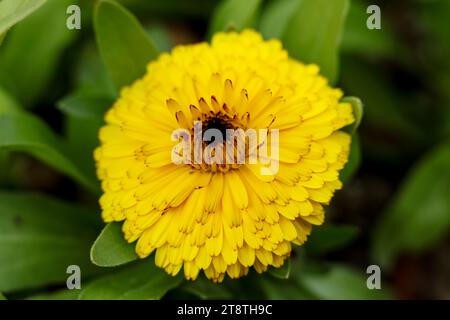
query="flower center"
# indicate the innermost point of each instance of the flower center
(217, 122)
(217, 143)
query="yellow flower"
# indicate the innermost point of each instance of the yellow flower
(222, 218)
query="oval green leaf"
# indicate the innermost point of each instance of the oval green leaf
(234, 15)
(124, 45)
(110, 249)
(313, 34)
(276, 16)
(140, 281)
(13, 11)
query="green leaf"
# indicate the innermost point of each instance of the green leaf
(283, 272)
(2, 297)
(27, 133)
(358, 112)
(13, 11)
(124, 45)
(313, 34)
(140, 281)
(110, 249)
(276, 16)
(354, 160)
(233, 14)
(40, 237)
(420, 213)
(340, 282)
(330, 237)
(30, 56)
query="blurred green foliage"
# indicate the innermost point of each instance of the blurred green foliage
(29, 56)
(40, 237)
(55, 85)
(420, 213)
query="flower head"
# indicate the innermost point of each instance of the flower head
(185, 202)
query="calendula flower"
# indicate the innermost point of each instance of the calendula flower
(200, 213)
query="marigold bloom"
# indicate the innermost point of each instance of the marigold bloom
(222, 218)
